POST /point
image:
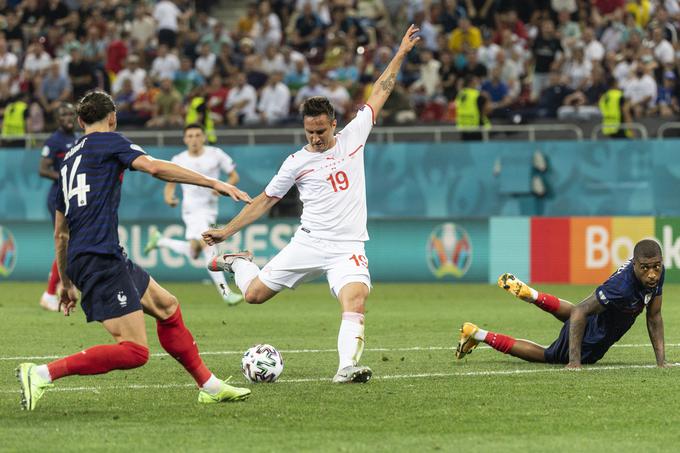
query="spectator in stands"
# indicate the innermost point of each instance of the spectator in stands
(146, 100)
(613, 35)
(568, 30)
(398, 108)
(246, 22)
(167, 16)
(347, 72)
(583, 104)
(481, 12)
(498, 94)
(508, 20)
(313, 88)
(14, 34)
(227, 63)
(206, 62)
(37, 60)
(662, 20)
(641, 90)
(56, 12)
(428, 84)
(667, 99)
(187, 78)
(450, 12)
(511, 72)
(552, 97)
(116, 50)
(217, 38)
(298, 76)
(133, 72)
(274, 104)
(32, 17)
(125, 99)
(81, 72)
(94, 47)
(472, 66)
(547, 55)
(7, 60)
(241, 102)
(165, 64)
(308, 31)
(55, 88)
(428, 33)
(486, 54)
(338, 95)
(594, 50)
(663, 49)
(142, 28)
(216, 94)
(606, 10)
(577, 68)
(273, 60)
(167, 106)
(465, 36)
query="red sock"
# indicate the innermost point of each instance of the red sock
(547, 302)
(53, 279)
(100, 359)
(499, 342)
(178, 342)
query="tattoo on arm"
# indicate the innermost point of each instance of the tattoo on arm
(388, 84)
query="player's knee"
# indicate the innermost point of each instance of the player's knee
(137, 355)
(253, 297)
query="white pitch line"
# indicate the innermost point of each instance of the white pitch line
(307, 351)
(547, 369)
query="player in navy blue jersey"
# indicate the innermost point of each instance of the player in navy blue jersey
(593, 326)
(115, 291)
(53, 153)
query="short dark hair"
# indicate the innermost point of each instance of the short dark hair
(95, 106)
(317, 105)
(194, 126)
(647, 248)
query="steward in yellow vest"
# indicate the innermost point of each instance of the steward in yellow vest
(198, 112)
(614, 109)
(471, 107)
(14, 121)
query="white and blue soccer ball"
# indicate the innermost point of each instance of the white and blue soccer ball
(262, 363)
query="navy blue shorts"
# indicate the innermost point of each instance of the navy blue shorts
(110, 286)
(558, 351)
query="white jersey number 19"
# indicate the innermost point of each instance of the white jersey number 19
(81, 189)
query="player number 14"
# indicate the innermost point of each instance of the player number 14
(81, 188)
(338, 180)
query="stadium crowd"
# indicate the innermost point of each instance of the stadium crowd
(163, 60)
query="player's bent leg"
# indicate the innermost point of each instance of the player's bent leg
(258, 292)
(559, 308)
(177, 340)
(351, 339)
(471, 336)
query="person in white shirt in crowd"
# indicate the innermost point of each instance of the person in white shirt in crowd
(487, 52)
(313, 88)
(577, 67)
(329, 173)
(241, 102)
(37, 61)
(429, 80)
(594, 50)
(641, 90)
(205, 63)
(167, 16)
(274, 104)
(663, 49)
(7, 60)
(199, 204)
(132, 71)
(142, 27)
(273, 61)
(338, 96)
(165, 64)
(511, 71)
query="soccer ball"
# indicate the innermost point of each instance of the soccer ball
(262, 363)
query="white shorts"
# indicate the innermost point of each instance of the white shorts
(306, 258)
(197, 222)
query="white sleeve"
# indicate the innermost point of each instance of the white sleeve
(282, 181)
(226, 163)
(358, 129)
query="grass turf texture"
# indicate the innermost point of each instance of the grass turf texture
(419, 400)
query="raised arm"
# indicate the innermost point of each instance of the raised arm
(385, 83)
(171, 172)
(577, 327)
(655, 329)
(250, 213)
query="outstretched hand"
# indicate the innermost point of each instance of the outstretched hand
(214, 236)
(235, 193)
(410, 39)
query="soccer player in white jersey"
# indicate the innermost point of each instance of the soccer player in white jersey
(199, 205)
(329, 174)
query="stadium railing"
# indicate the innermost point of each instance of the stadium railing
(596, 133)
(661, 132)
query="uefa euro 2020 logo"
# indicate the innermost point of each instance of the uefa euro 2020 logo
(8, 252)
(449, 251)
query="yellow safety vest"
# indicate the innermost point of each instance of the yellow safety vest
(610, 107)
(14, 123)
(468, 115)
(192, 117)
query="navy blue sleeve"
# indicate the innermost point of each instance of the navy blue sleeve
(126, 151)
(49, 149)
(615, 291)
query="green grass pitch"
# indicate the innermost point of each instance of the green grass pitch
(420, 399)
